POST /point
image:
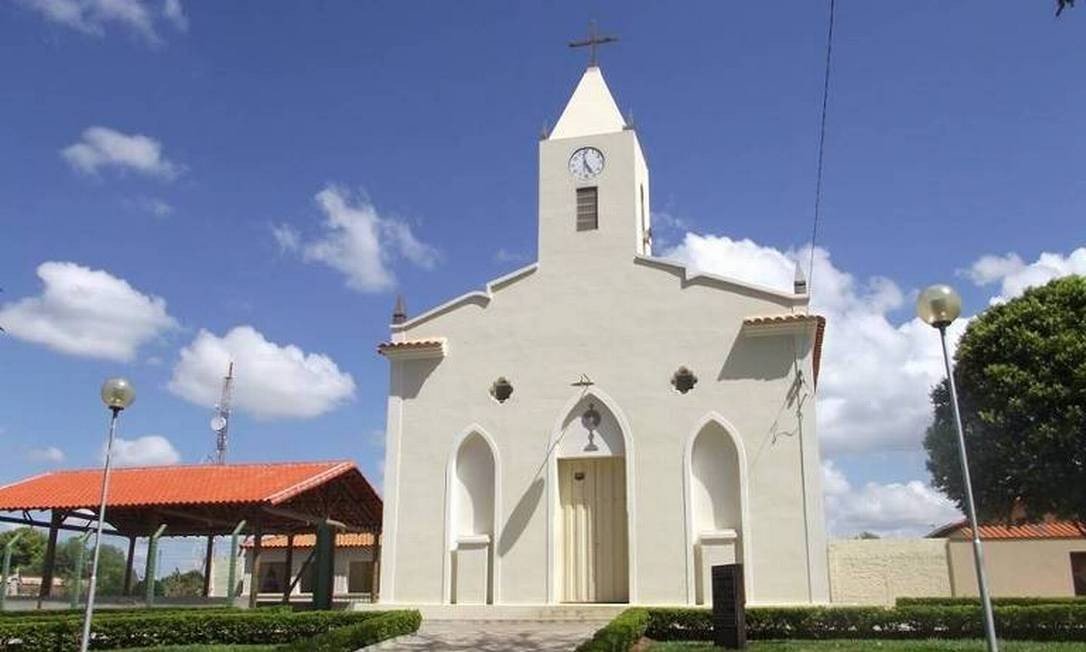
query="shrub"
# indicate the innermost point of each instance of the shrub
(119, 612)
(618, 635)
(1053, 622)
(964, 602)
(384, 625)
(689, 624)
(189, 627)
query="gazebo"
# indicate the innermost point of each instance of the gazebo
(285, 499)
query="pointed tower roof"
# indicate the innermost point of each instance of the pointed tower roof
(591, 109)
(399, 313)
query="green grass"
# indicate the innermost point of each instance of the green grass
(889, 646)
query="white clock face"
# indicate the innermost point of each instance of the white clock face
(586, 163)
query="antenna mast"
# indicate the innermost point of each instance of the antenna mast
(220, 423)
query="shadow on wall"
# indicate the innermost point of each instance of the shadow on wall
(415, 373)
(522, 513)
(759, 358)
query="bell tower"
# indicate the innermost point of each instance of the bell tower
(593, 182)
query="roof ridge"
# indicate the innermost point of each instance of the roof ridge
(298, 487)
(195, 465)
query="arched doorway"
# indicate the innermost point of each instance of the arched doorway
(471, 507)
(716, 506)
(591, 524)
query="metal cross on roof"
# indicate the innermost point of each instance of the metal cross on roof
(593, 41)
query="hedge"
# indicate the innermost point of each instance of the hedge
(1052, 622)
(190, 627)
(620, 634)
(118, 612)
(384, 625)
(965, 602)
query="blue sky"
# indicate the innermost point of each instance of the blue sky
(954, 140)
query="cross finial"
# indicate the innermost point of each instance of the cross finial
(593, 42)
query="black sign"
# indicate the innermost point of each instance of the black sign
(729, 602)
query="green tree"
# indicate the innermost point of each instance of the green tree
(28, 550)
(1021, 375)
(111, 563)
(187, 584)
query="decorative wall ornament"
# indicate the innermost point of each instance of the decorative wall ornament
(684, 380)
(591, 420)
(501, 390)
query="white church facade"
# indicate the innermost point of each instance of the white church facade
(602, 425)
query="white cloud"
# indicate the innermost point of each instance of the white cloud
(175, 13)
(271, 381)
(150, 450)
(94, 16)
(88, 313)
(48, 454)
(287, 237)
(1015, 276)
(358, 242)
(876, 375)
(102, 147)
(503, 255)
(894, 509)
(156, 207)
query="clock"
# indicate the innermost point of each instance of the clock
(586, 163)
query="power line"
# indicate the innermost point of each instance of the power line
(821, 150)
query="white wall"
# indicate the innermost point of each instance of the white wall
(341, 568)
(1017, 567)
(878, 571)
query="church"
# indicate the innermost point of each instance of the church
(603, 425)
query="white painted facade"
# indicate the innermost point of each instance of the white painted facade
(474, 507)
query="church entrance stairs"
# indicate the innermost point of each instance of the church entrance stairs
(495, 635)
(594, 613)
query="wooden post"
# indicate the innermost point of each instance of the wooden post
(231, 578)
(8, 548)
(254, 582)
(323, 570)
(127, 589)
(152, 560)
(50, 558)
(207, 565)
(75, 591)
(287, 581)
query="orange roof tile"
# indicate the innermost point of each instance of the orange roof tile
(170, 485)
(343, 540)
(435, 344)
(1049, 529)
(787, 318)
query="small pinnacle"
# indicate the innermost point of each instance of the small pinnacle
(799, 285)
(399, 313)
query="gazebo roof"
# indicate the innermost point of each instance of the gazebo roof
(207, 499)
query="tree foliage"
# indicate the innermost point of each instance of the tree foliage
(28, 556)
(1021, 376)
(28, 551)
(187, 584)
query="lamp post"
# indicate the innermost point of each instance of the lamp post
(117, 394)
(939, 306)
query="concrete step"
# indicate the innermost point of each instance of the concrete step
(565, 612)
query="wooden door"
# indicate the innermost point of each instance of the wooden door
(593, 533)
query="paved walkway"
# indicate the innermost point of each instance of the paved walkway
(495, 636)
